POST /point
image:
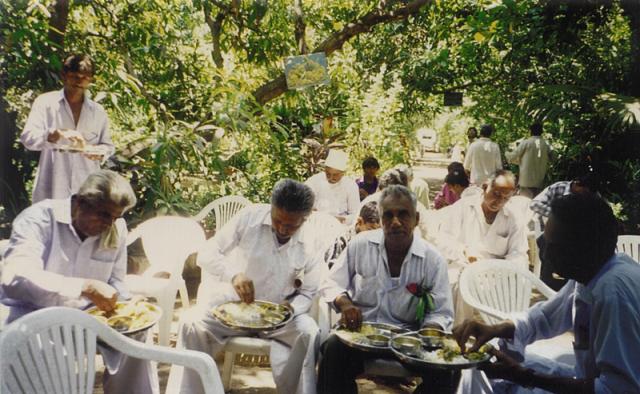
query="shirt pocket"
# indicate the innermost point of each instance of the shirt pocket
(402, 304)
(365, 293)
(91, 137)
(98, 269)
(497, 244)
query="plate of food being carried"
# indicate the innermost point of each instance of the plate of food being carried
(430, 348)
(254, 317)
(370, 337)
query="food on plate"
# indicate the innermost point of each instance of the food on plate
(127, 316)
(255, 315)
(450, 352)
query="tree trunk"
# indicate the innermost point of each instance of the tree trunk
(632, 9)
(13, 195)
(58, 23)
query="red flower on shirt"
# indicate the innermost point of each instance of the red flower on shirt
(413, 289)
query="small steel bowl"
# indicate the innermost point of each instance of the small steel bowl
(407, 345)
(378, 340)
(120, 323)
(432, 337)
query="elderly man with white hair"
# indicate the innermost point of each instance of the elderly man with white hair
(72, 252)
(336, 194)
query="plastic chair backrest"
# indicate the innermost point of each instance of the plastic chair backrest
(224, 208)
(497, 288)
(168, 241)
(53, 351)
(629, 244)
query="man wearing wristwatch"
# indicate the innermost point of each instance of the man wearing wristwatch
(600, 303)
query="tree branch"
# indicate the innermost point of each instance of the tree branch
(215, 26)
(58, 23)
(300, 27)
(334, 42)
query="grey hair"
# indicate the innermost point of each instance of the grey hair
(105, 186)
(392, 177)
(292, 196)
(505, 173)
(405, 169)
(397, 191)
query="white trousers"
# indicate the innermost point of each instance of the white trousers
(125, 374)
(293, 350)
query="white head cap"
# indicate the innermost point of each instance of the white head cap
(337, 159)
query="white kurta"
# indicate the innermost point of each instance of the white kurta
(362, 271)
(247, 244)
(339, 199)
(60, 174)
(45, 265)
(464, 229)
(532, 155)
(483, 159)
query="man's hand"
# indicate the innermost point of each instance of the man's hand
(54, 136)
(341, 219)
(363, 194)
(93, 156)
(244, 287)
(504, 368)
(102, 295)
(481, 332)
(351, 314)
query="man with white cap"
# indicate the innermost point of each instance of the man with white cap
(335, 193)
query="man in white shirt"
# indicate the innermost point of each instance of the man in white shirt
(371, 281)
(70, 130)
(72, 252)
(265, 252)
(418, 186)
(482, 227)
(532, 155)
(334, 192)
(483, 158)
(600, 304)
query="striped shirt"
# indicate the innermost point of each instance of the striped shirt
(541, 204)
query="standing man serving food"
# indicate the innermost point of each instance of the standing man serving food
(65, 119)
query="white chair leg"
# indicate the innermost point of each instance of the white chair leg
(166, 302)
(184, 294)
(227, 370)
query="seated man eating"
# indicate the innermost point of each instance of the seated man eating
(265, 252)
(369, 283)
(600, 303)
(72, 252)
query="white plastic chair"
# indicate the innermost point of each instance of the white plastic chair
(262, 347)
(53, 351)
(224, 208)
(629, 244)
(497, 288)
(167, 242)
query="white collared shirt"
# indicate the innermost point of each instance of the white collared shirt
(60, 174)
(248, 244)
(532, 155)
(339, 199)
(46, 262)
(362, 271)
(483, 159)
(465, 229)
